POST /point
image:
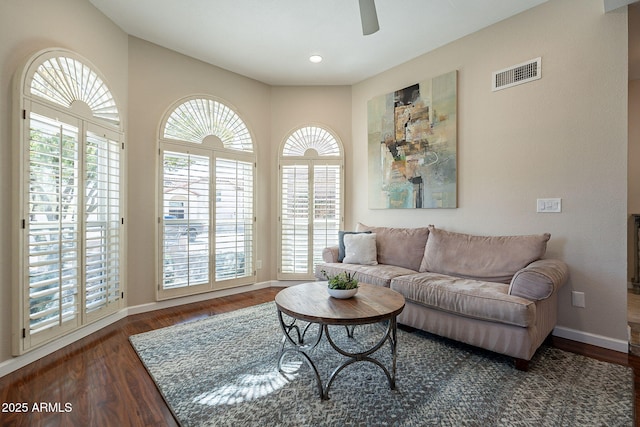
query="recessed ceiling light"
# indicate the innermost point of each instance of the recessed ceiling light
(315, 58)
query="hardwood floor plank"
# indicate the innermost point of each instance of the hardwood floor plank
(105, 383)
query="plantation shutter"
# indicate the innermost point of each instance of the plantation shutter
(185, 221)
(103, 220)
(327, 208)
(52, 227)
(310, 200)
(234, 217)
(295, 219)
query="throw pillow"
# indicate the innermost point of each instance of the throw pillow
(402, 247)
(360, 249)
(341, 242)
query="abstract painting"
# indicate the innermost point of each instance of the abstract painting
(412, 146)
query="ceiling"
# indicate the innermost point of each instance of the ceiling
(271, 40)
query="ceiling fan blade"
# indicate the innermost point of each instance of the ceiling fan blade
(369, 17)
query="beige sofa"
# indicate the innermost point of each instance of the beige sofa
(494, 292)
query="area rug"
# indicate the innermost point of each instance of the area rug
(222, 371)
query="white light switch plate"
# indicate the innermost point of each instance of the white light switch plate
(549, 205)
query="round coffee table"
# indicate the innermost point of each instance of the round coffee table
(310, 302)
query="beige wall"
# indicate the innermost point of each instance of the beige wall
(564, 135)
(147, 80)
(293, 107)
(158, 78)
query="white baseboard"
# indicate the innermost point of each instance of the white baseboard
(593, 339)
(18, 362)
(174, 302)
(15, 363)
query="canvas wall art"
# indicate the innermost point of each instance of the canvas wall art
(412, 146)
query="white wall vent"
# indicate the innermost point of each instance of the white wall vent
(517, 74)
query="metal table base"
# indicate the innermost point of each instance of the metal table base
(296, 337)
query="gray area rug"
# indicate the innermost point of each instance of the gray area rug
(222, 371)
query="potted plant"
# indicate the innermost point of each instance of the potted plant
(342, 285)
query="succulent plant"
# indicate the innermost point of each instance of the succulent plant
(342, 280)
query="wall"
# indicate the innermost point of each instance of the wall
(25, 28)
(293, 107)
(564, 135)
(158, 78)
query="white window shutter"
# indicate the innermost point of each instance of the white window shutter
(102, 212)
(234, 219)
(185, 220)
(295, 219)
(52, 228)
(311, 192)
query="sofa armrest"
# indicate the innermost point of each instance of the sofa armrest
(330, 254)
(539, 280)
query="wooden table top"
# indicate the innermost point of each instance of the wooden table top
(311, 302)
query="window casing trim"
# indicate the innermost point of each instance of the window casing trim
(212, 147)
(312, 160)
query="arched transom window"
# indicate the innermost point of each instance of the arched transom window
(310, 199)
(206, 230)
(70, 83)
(71, 167)
(196, 119)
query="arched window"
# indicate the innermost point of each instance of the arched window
(206, 231)
(71, 164)
(310, 199)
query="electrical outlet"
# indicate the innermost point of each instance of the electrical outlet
(258, 264)
(577, 299)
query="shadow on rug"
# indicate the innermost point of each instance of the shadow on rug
(222, 371)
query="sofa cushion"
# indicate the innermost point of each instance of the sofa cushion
(379, 275)
(403, 247)
(491, 258)
(341, 235)
(360, 249)
(488, 301)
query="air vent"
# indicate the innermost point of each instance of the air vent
(517, 74)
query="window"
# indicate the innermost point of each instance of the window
(206, 230)
(69, 199)
(310, 200)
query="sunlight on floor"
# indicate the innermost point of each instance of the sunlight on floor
(249, 387)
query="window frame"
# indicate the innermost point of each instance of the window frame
(211, 146)
(312, 159)
(88, 120)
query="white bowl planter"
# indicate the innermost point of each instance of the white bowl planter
(342, 293)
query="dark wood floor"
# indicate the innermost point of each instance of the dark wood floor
(99, 380)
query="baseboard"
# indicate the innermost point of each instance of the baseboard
(15, 363)
(592, 339)
(174, 302)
